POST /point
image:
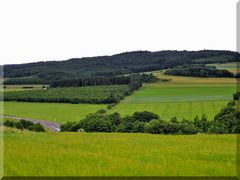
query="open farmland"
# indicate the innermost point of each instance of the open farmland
(183, 97)
(77, 154)
(56, 112)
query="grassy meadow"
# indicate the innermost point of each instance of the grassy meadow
(56, 112)
(183, 97)
(77, 154)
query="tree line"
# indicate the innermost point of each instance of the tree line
(101, 80)
(94, 81)
(198, 70)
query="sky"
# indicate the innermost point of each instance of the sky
(43, 30)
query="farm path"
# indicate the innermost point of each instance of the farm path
(55, 127)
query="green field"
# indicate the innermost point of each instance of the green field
(183, 97)
(77, 154)
(56, 112)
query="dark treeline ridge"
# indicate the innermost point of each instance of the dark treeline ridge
(225, 122)
(99, 81)
(95, 81)
(24, 125)
(197, 70)
(107, 94)
(119, 64)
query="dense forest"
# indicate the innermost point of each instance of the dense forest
(119, 64)
(195, 70)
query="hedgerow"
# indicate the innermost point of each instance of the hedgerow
(227, 121)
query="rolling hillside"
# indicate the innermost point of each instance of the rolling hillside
(130, 62)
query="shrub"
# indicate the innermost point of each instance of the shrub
(126, 124)
(236, 96)
(174, 120)
(23, 124)
(9, 123)
(155, 126)
(101, 111)
(115, 118)
(231, 103)
(228, 121)
(69, 126)
(145, 116)
(187, 128)
(138, 126)
(38, 128)
(97, 123)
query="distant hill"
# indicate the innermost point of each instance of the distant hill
(124, 63)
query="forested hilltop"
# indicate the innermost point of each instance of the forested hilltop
(124, 63)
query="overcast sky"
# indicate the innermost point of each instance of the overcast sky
(41, 30)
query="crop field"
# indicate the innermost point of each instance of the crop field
(181, 97)
(77, 154)
(56, 112)
(93, 95)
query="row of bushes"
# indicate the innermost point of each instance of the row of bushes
(23, 124)
(225, 122)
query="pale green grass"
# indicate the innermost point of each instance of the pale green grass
(103, 154)
(56, 112)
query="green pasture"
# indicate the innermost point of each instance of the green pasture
(114, 154)
(160, 94)
(181, 110)
(56, 112)
(183, 97)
